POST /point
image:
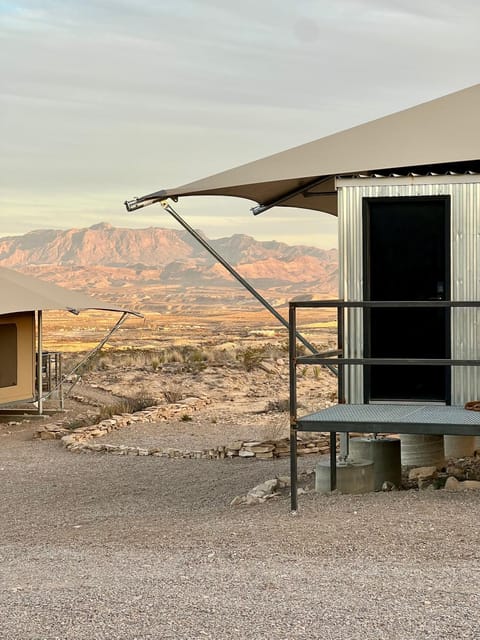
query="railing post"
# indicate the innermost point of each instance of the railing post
(292, 359)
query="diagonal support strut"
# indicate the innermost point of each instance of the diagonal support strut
(169, 209)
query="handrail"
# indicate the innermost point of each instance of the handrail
(336, 356)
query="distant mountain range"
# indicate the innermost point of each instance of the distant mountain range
(109, 259)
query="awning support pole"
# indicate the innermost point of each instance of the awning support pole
(169, 209)
(89, 355)
(261, 208)
(39, 362)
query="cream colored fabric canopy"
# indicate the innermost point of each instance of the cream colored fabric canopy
(445, 130)
(19, 292)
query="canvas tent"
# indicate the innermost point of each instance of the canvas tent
(440, 132)
(22, 301)
(406, 190)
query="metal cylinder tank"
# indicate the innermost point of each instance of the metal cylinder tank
(422, 450)
(459, 446)
(352, 477)
(385, 455)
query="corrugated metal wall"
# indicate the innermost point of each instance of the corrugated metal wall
(465, 257)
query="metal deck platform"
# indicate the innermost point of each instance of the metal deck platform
(428, 419)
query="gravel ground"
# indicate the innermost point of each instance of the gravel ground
(100, 546)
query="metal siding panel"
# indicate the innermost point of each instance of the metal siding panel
(465, 280)
(351, 288)
(465, 286)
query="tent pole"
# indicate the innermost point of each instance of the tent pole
(169, 209)
(39, 361)
(89, 355)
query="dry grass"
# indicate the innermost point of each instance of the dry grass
(126, 405)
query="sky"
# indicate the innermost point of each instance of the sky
(104, 100)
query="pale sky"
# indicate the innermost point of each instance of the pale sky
(103, 100)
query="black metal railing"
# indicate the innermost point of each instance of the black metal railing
(336, 356)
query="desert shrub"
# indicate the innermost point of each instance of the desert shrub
(251, 357)
(172, 395)
(127, 405)
(280, 404)
(174, 355)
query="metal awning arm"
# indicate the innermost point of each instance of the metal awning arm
(89, 355)
(239, 278)
(261, 208)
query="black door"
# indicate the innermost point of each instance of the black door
(407, 257)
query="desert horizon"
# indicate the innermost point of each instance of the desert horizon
(184, 295)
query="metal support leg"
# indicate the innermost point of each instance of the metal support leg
(333, 460)
(293, 471)
(39, 363)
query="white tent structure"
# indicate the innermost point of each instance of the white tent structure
(406, 190)
(22, 301)
(439, 132)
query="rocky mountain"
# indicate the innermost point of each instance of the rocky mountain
(103, 258)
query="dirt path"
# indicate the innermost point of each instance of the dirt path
(105, 547)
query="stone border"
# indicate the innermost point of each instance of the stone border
(78, 440)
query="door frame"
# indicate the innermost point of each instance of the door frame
(366, 266)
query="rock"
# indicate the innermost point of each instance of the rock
(452, 484)
(264, 456)
(264, 489)
(237, 500)
(46, 435)
(243, 453)
(388, 486)
(260, 448)
(422, 473)
(268, 367)
(283, 481)
(67, 441)
(235, 446)
(458, 472)
(470, 484)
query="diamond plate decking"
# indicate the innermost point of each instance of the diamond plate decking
(393, 418)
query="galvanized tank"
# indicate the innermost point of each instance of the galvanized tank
(385, 455)
(352, 477)
(421, 450)
(459, 446)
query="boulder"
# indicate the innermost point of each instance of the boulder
(422, 473)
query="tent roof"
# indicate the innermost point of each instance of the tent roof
(20, 292)
(441, 131)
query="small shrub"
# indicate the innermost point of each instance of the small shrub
(127, 405)
(281, 405)
(186, 418)
(172, 395)
(251, 357)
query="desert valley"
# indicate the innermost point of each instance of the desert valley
(202, 338)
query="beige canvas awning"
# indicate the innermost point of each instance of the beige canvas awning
(19, 292)
(442, 131)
